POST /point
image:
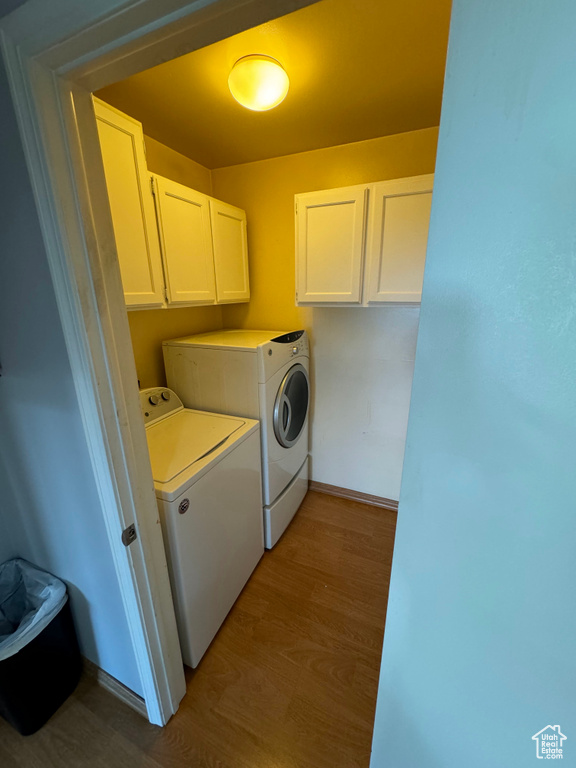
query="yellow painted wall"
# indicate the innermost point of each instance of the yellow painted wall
(266, 190)
(149, 327)
(167, 162)
(362, 358)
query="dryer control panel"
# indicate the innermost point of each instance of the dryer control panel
(289, 338)
(281, 350)
(294, 343)
(158, 402)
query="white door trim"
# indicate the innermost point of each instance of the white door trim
(55, 54)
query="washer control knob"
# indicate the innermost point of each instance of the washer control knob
(294, 350)
(153, 399)
(166, 395)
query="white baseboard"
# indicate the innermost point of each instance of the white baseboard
(346, 493)
(116, 688)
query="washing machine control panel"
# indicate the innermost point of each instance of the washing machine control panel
(158, 402)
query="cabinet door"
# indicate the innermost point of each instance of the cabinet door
(230, 252)
(330, 246)
(132, 207)
(398, 235)
(184, 226)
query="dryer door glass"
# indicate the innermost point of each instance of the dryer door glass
(291, 406)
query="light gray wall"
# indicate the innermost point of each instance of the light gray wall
(362, 365)
(6, 547)
(49, 510)
(7, 6)
(479, 643)
(7, 506)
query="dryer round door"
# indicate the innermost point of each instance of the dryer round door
(291, 406)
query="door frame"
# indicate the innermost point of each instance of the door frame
(56, 54)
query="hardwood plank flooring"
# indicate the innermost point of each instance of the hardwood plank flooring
(290, 679)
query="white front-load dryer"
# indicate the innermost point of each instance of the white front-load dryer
(255, 374)
(284, 397)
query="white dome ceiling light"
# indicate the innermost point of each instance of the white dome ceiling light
(258, 82)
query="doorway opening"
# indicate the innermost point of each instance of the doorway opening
(272, 284)
(330, 132)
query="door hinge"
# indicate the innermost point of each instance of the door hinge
(129, 535)
(152, 189)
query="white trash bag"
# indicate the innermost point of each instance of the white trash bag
(29, 600)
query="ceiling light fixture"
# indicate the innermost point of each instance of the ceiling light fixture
(258, 82)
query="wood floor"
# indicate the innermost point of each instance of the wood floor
(289, 682)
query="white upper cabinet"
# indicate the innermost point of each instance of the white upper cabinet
(363, 245)
(330, 246)
(176, 247)
(132, 207)
(398, 235)
(230, 252)
(186, 241)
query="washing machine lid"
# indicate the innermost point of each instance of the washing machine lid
(180, 440)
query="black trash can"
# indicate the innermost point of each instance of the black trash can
(40, 662)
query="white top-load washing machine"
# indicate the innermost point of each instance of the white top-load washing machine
(260, 375)
(206, 470)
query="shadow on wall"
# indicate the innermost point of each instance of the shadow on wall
(54, 516)
(55, 538)
(466, 354)
(483, 531)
